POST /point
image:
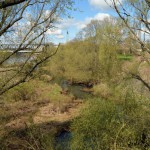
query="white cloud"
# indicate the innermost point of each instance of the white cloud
(66, 23)
(54, 32)
(47, 13)
(60, 36)
(101, 4)
(81, 26)
(99, 16)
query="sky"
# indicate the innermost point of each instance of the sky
(87, 11)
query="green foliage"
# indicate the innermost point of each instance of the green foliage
(25, 91)
(74, 62)
(124, 57)
(106, 125)
(40, 139)
(92, 59)
(119, 119)
(108, 60)
(60, 101)
(109, 64)
(36, 90)
(46, 78)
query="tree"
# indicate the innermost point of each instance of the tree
(26, 24)
(135, 16)
(103, 37)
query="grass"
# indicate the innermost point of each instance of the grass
(25, 100)
(125, 57)
(36, 102)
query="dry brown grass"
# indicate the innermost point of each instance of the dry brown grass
(48, 104)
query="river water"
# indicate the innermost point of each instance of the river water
(75, 89)
(17, 58)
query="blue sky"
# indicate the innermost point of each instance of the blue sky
(89, 9)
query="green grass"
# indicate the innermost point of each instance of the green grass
(124, 57)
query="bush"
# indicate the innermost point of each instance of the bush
(102, 90)
(46, 78)
(36, 90)
(25, 91)
(103, 125)
(39, 138)
(60, 101)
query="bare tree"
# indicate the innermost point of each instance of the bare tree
(135, 15)
(25, 22)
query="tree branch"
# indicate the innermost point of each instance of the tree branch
(27, 74)
(140, 79)
(8, 3)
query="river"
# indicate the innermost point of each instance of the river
(77, 90)
(17, 58)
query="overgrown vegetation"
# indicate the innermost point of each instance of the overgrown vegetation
(106, 125)
(109, 62)
(21, 104)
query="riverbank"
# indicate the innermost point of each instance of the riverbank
(36, 104)
(45, 119)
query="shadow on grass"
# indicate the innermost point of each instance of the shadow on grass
(46, 136)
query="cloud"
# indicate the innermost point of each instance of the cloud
(103, 4)
(100, 4)
(60, 36)
(99, 16)
(54, 32)
(47, 13)
(66, 23)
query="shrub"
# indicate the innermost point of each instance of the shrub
(40, 138)
(102, 90)
(46, 78)
(103, 125)
(25, 91)
(60, 101)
